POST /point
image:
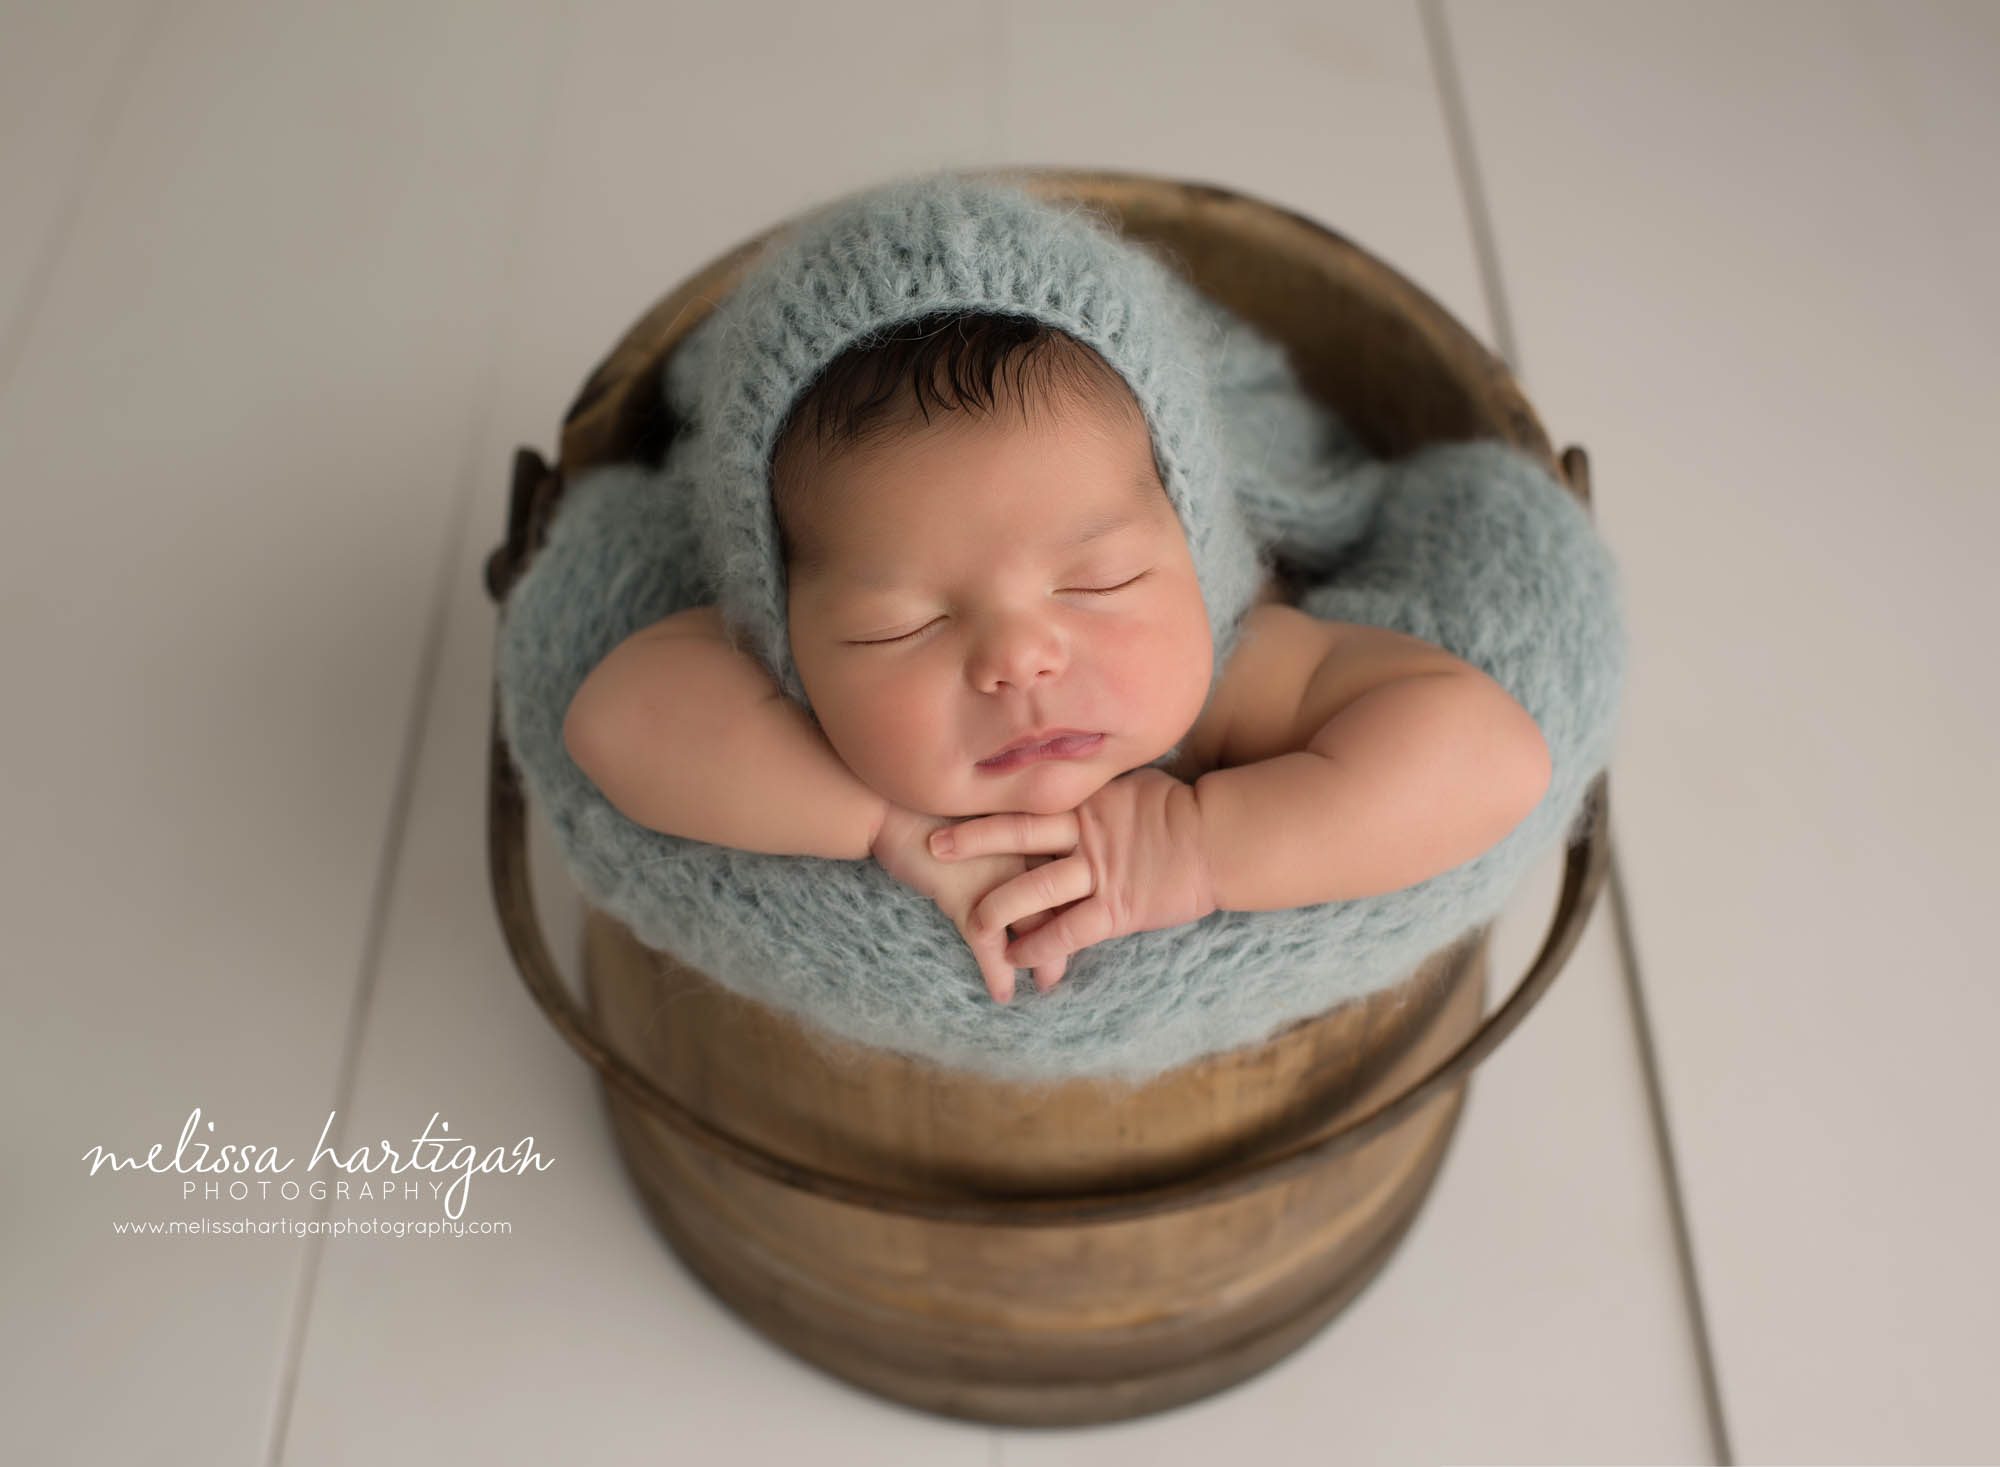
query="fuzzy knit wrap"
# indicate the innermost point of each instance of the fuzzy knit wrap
(848, 272)
(1472, 546)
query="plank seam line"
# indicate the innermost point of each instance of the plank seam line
(1458, 130)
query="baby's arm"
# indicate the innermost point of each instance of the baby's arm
(1416, 775)
(685, 734)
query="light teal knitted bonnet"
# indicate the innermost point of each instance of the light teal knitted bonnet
(849, 271)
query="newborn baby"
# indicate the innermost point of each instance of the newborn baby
(994, 611)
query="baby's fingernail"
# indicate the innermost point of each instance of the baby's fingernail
(942, 842)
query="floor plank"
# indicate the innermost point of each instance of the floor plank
(1749, 251)
(233, 441)
(64, 74)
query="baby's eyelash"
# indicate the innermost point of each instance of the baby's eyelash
(891, 641)
(1107, 590)
(1083, 590)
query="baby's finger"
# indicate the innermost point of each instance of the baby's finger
(1038, 890)
(994, 969)
(1050, 974)
(1074, 929)
(1015, 831)
(999, 980)
(1022, 926)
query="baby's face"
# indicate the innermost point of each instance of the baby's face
(955, 608)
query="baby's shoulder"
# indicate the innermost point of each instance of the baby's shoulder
(1289, 673)
(1245, 695)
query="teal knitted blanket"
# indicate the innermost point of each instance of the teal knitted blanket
(1472, 546)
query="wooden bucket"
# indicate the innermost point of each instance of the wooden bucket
(1082, 1252)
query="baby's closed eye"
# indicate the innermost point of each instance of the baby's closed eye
(937, 621)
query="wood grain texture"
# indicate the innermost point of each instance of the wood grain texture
(993, 1321)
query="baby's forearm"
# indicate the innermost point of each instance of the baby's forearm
(687, 735)
(1412, 778)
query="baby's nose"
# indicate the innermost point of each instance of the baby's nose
(1020, 652)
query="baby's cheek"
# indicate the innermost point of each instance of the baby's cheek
(896, 733)
(1149, 662)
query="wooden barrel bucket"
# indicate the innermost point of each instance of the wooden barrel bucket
(1086, 1251)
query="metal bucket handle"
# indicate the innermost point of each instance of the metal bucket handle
(535, 489)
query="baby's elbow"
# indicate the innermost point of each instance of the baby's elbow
(1493, 751)
(1517, 765)
(600, 744)
(583, 731)
(1534, 767)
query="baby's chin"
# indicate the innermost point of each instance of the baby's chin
(1046, 792)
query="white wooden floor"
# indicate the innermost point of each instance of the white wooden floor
(282, 286)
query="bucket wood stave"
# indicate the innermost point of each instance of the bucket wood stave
(1081, 1252)
(1048, 1325)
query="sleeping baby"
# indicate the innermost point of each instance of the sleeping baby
(994, 611)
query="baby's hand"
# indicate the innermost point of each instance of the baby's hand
(901, 848)
(1132, 861)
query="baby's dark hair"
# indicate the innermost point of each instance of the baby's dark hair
(948, 359)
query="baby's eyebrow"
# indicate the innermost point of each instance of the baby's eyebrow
(1135, 508)
(1100, 525)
